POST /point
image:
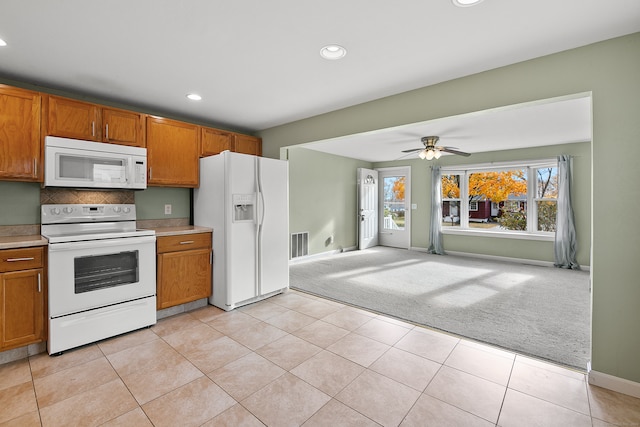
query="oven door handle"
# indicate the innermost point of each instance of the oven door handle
(103, 243)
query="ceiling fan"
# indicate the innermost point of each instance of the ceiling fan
(433, 151)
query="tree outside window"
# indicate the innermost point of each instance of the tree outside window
(518, 199)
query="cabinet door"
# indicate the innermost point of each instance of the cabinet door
(214, 141)
(172, 153)
(248, 145)
(73, 119)
(123, 127)
(183, 277)
(21, 308)
(19, 134)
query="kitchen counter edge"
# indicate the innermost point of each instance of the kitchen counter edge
(178, 230)
(16, 242)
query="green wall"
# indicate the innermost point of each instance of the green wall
(609, 70)
(19, 203)
(322, 198)
(150, 203)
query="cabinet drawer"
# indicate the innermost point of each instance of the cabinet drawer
(184, 242)
(20, 259)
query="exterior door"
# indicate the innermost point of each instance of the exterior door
(367, 208)
(394, 207)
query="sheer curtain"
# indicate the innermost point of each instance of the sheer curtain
(435, 224)
(565, 242)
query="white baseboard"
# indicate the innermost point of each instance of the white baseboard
(500, 258)
(610, 382)
(321, 255)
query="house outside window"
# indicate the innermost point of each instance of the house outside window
(515, 198)
(451, 200)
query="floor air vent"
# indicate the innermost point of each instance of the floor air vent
(299, 244)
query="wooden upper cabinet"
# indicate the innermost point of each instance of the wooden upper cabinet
(73, 119)
(247, 144)
(173, 150)
(91, 122)
(123, 127)
(20, 147)
(214, 141)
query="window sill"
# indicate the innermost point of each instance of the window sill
(547, 237)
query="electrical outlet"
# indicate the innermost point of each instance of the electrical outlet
(167, 209)
(414, 206)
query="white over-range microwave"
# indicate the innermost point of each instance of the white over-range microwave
(84, 164)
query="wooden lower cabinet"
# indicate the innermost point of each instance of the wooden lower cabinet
(22, 289)
(184, 268)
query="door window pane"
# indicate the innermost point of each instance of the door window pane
(394, 204)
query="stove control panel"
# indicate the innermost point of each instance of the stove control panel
(78, 213)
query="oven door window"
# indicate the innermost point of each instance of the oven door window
(105, 271)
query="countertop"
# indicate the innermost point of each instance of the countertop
(177, 230)
(26, 241)
(15, 242)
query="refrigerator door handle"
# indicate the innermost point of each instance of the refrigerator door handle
(258, 223)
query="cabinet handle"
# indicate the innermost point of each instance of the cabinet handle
(186, 242)
(106, 131)
(35, 167)
(211, 258)
(93, 128)
(150, 173)
(39, 284)
(19, 259)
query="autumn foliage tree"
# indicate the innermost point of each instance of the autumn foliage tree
(398, 188)
(497, 186)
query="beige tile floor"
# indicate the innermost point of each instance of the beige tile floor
(296, 359)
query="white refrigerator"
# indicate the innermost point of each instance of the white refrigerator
(245, 199)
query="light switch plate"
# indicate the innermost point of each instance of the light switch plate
(167, 209)
(414, 206)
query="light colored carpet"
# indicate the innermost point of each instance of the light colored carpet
(538, 311)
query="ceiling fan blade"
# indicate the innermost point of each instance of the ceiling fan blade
(413, 150)
(459, 153)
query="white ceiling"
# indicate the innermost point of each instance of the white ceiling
(256, 63)
(556, 121)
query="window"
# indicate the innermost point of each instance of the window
(509, 198)
(451, 200)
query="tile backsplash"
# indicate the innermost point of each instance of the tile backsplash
(56, 196)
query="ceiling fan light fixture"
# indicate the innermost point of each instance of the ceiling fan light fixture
(430, 155)
(437, 154)
(422, 154)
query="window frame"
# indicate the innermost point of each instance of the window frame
(531, 167)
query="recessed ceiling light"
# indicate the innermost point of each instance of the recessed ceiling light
(466, 3)
(194, 96)
(3, 43)
(333, 51)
